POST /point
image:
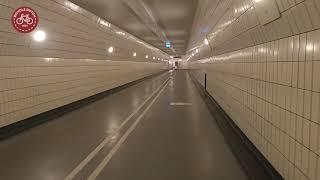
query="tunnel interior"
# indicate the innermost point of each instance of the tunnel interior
(159, 89)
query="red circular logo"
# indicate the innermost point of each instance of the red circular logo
(24, 19)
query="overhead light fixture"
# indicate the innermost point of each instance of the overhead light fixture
(309, 47)
(134, 54)
(206, 41)
(197, 50)
(158, 59)
(147, 56)
(104, 23)
(154, 58)
(39, 36)
(72, 6)
(111, 49)
(121, 33)
(171, 57)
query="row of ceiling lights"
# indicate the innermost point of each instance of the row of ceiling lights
(206, 42)
(40, 36)
(241, 9)
(111, 50)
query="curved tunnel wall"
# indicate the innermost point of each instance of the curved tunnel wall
(71, 64)
(267, 78)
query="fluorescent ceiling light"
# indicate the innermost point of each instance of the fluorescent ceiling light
(39, 36)
(111, 49)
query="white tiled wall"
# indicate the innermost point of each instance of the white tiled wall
(71, 33)
(71, 64)
(238, 27)
(269, 84)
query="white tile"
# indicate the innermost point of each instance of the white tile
(315, 117)
(305, 160)
(314, 136)
(301, 75)
(318, 168)
(299, 129)
(306, 132)
(307, 104)
(316, 76)
(313, 13)
(298, 156)
(302, 19)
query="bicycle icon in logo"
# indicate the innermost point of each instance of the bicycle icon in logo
(24, 18)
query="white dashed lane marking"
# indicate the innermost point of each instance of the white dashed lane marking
(180, 104)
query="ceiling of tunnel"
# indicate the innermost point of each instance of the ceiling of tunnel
(201, 26)
(154, 21)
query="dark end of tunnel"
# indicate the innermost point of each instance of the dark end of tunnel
(251, 159)
(21, 126)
